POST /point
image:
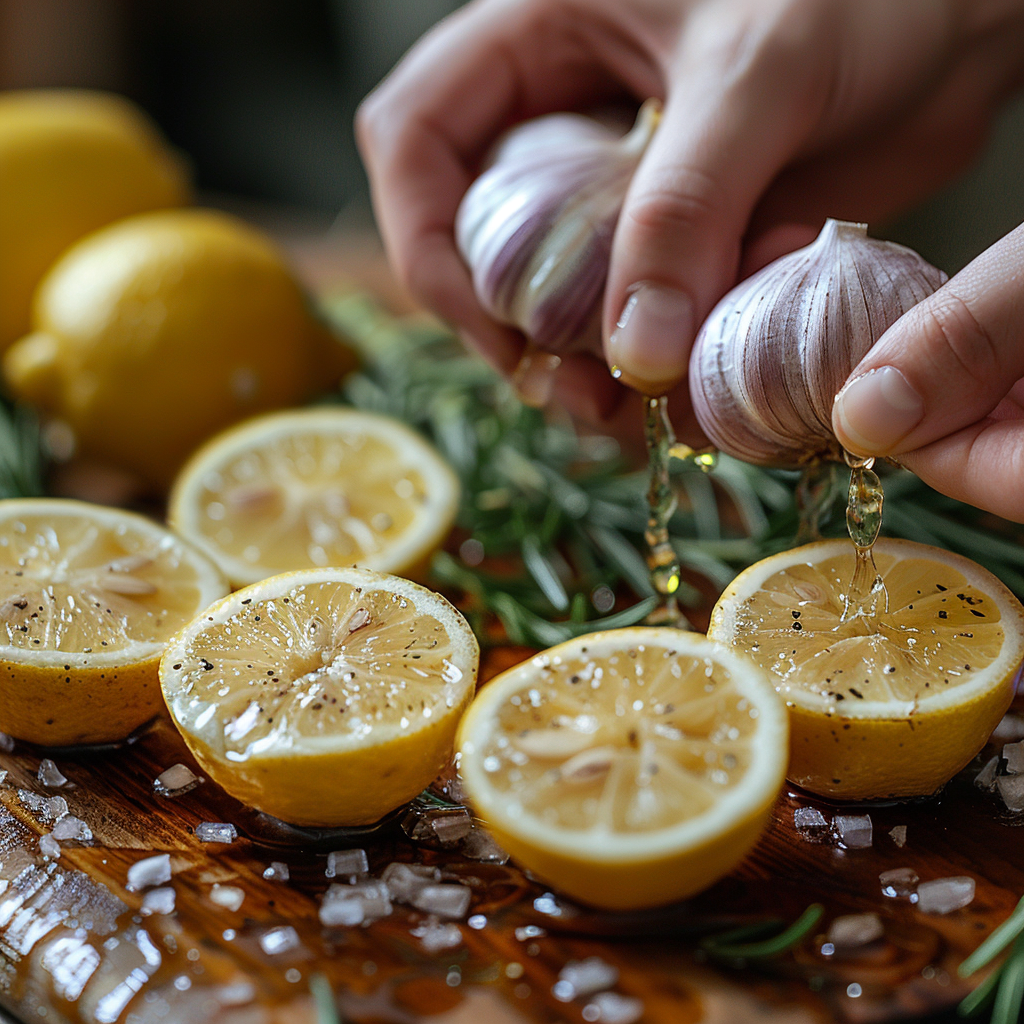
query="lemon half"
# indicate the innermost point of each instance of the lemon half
(324, 697)
(88, 597)
(891, 709)
(628, 768)
(316, 487)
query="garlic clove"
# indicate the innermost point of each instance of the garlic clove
(536, 227)
(769, 360)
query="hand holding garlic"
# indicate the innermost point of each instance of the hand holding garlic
(776, 115)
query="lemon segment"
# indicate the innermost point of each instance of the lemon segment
(71, 161)
(88, 597)
(894, 707)
(629, 768)
(325, 697)
(317, 487)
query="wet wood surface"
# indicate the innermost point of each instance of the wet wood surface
(77, 947)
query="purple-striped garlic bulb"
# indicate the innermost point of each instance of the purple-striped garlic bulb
(768, 361)
(536, 227)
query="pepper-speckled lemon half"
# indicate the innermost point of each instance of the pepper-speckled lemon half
(628, 768)
(316, 487)
(893, 707)
(323, 697)
(88, 597)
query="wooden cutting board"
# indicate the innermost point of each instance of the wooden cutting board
(76, 947)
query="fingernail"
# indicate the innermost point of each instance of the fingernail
(651, 341)
(875, 411)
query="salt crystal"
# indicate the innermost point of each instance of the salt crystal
(70, 827)
(899, 882)
(31, 801)
(445, 900)
(158, 901)
(6, 743)
(1011, 789)
(585, 977)
(480, 845)
(216, 832)
(853, 930)
(50, 775)
(435, 936)
(371, 894)
(811, 824)
(944, 895)
(1010, 728)
(277, 872)
(530, 931)
(347, 862)
(340, 911)
(279, 940)
(404, 881)
(613, 1008)
(235, 993)
(229, 896)
(452, 826)
(48, 846)
(854, 831)
(1014, 755)
(898, 835)
(3, 777)
(175, 781)
(150, 871)
(986, 778)
(55, 807)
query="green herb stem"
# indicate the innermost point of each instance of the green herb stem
(791, 936)
(1000, 938)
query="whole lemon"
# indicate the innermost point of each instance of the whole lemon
(70, 162)
(154, 333)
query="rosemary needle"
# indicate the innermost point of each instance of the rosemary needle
(735, 950)
(1000, 938)
(323, 999)
(1010, 994)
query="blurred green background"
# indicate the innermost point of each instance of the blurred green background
(261, 94)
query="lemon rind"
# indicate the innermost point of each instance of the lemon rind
(723, 628)
(758, 789)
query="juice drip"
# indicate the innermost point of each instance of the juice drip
(661, 503)
(866, 596)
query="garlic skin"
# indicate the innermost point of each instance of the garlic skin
(769, 360)
(535, 229)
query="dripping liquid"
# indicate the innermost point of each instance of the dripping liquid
(866, 596)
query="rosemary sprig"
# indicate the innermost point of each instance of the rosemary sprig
(1006, 983)
(22, 452)
(737, 944)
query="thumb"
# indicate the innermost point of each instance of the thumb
(945, 364)
(678, 241)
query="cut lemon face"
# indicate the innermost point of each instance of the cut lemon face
(629, 768)
(88, 597)
(325, 697)
(317, 487)
(889, 708)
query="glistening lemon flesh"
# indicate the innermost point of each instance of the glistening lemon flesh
(325, 697)
(88, 597)
(315, 487)
(891, 707)
(629, 768)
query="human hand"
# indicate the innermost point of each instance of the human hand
(943, 388)
(777, 114)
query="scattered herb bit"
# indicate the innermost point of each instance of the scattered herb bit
(323, 999)
(730, 945)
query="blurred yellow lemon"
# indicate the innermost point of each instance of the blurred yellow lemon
(892, 707)
(629, 768)
(70, 162)
(157, 331)
(322, 486)
(88, 597)
(325, 697)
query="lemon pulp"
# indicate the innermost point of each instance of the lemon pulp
(88, 597)
(325, 697)
(327, 486)
(627, 768)
(892, 706)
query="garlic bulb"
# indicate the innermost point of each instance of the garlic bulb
(536, 227)
(768, 361)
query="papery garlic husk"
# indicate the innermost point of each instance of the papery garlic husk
(769, 360)
(536, 227)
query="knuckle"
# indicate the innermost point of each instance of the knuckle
(678, 200)
(952, 329)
